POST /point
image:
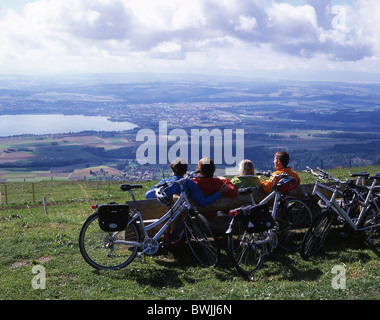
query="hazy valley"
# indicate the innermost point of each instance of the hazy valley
(319, 123)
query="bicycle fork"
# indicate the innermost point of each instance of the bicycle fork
(269, 240)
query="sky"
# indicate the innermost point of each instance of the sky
(333, 40)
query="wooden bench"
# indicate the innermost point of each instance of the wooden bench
(152, 210)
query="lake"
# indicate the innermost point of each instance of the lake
(11, 125)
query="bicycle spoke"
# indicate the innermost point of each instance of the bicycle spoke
(316, 236)
(105, 250)
(293, 219)
(246, 256)
(201, 240)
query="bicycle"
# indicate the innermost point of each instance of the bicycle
(114, 243)
(359, 210)
(284, 225)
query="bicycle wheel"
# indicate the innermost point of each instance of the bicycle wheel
(316, 235)
(293, 219)
(372, 217)
(246, 256)
(102, 250)
(201, 239)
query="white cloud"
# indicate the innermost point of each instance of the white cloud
(226, 34)
(367, 23)
(246, 24)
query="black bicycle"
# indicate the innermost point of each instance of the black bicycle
(256, 229)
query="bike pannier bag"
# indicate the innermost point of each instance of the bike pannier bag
(257, 218)
(113, 217)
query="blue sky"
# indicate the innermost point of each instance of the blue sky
(295, 39)
(16, 5)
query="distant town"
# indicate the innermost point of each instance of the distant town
(181, 115)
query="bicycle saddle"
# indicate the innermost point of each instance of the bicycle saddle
(360, 174)
(247, 190)
(375, 176)
(126, 187)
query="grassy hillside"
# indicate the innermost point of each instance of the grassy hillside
(56, 191)
(29, 238)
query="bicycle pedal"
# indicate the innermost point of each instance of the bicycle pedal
(141, 257)
(369, 242)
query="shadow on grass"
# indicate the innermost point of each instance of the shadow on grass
(345, 245)
(178, 267)
(164, 269)
(279, 264)
(282, 265)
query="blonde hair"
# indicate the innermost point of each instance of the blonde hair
(246, 167)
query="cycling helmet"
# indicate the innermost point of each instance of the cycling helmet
(162, 197)
(285, 185)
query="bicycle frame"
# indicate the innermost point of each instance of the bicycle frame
(332, 203)
(181, 204)
(178, 207)
(247, 247)
(369, 199)
(274, 194)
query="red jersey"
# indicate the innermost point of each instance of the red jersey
(211, 185)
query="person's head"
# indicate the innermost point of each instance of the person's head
(246, 167)
(179, 167)
(207, 167)
(281, 159)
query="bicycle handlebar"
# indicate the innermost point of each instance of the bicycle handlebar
(182, 180)
(322, 175)
(187, 177)
(270, 174)
(266, 174)
(248, 190)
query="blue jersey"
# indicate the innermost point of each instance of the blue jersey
(190, 187)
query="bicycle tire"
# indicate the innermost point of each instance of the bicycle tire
(316, 235)
(99, 250)
(246, 257)
(293, 219)
(372, 217)
(201, 239)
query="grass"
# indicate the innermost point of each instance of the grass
(29, 237)
(21, 194)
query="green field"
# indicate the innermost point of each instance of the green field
(112, 155)
(30, 237)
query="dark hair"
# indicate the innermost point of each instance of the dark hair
(179, 167)
(283, 156)
(207, 167)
